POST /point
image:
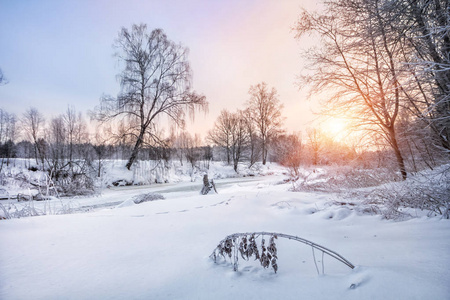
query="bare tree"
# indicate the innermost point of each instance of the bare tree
(230, 132)
(193, 152)
(100, 149)
(358, 65)
(288, 149)
(265, 111)
(239, 138)
(70, 121)
(7, 136)
(155, 82)
(254, 147)
(423, 27)
(33, 126)
(56, 137)
(7, 126)
(315, 142)
(221, 133)
(181, 144)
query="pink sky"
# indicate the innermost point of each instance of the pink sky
(59, 53)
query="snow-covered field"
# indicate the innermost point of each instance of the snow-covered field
(160, 249)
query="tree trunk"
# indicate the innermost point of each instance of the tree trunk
(400, 162)
(398, 154)
(264, 152)
(135, 151)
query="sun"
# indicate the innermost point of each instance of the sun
(335, 128)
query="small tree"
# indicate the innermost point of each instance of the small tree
(231, 133)
(254, 147)
(32, 124)
(101, 151)
(288, 150)
(315, 141)
(8, 124)
(221, 134)
(193, 151)
(239, 138)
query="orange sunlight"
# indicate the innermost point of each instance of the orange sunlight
(335, 128)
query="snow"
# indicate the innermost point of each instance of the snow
(160, 249)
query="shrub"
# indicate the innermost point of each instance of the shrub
(147, 197)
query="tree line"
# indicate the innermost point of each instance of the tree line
(382, 64)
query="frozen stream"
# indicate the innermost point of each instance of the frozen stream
(113, 196)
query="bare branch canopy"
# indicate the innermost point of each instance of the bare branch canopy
(156, 81)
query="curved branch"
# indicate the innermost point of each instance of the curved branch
(331, 253)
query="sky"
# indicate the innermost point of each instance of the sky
(59, 53)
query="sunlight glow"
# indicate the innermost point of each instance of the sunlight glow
(337, 130)
(335, 127)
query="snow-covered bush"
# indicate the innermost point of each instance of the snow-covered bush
(339, 178)
(147, 197)
(11, 210)
(75, 185)
(427, 191)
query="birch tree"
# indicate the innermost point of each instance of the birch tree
(155, 82)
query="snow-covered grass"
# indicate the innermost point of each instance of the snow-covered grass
(160, 249)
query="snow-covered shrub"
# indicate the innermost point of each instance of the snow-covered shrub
(76, 185)
(340, 178)
(147, 197)
(288, 152)
(11, 211)
(426, 191)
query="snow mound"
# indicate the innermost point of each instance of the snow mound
(126, 203)
(337, 214)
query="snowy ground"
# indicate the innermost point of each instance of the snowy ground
(160, 249)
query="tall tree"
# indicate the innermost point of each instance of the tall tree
(357, 65)
(155, 82)
(265, 111)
